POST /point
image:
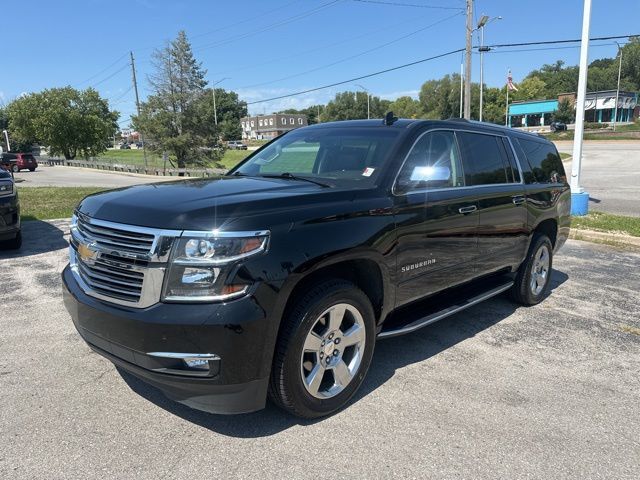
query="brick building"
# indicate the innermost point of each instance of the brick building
(270, 126)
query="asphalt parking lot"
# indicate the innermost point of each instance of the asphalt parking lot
(498, 391)
(611, 175)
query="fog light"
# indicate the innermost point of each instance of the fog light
(197, 363)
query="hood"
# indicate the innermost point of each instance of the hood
(201, 204)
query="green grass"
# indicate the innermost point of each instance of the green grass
(46, 203)
(606, 222)
(136, 157)
(632, 127)
(619, 134)
(564, 155)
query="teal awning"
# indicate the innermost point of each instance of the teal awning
(529, 108)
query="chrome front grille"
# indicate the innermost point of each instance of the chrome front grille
(122, 264)
(116, 238)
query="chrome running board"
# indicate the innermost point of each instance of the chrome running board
(439, 315)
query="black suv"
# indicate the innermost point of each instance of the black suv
(279, 277)
(10, 235)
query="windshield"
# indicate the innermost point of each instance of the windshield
(339, 155)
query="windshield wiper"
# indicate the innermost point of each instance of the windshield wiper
(291, 176)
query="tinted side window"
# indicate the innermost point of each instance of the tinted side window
(544, 161)
(483, 158)
(512, 161)
(433, 162)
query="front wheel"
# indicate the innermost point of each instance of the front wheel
(324, 350)
(534, 275)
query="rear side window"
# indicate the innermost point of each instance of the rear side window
(484, 159)
(544, 161)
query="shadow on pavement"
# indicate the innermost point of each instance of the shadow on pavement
(40, 237)
(390, 355)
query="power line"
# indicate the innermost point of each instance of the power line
(322, 47)
(111, 76)
(400, 4)
(452, 52)
(122, 95)
(102, 71)
(360, 77)
(268, 27)
(353, 56)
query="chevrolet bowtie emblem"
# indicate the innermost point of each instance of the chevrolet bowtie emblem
(86, 253)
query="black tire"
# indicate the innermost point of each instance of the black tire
(15, 169)
(286, 386)
(523, 291)
(32, 169)
(13, 244)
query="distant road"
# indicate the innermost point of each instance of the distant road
(59, 176)
(611, 175)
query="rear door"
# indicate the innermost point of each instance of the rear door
(502, 224)
(436, 218)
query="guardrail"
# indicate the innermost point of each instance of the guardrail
(121, 167)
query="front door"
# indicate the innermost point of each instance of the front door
(436, 219)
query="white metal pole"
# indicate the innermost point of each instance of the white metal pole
(6, 137)
(368, 112)
(481, 67)
(461, 86)
(615, 114)
(576, 161)
(215, 110)
(506, 109)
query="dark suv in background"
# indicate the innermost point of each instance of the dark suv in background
(10, 235)
(279, 277)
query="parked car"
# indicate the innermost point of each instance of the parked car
(557, 127)
(125, 146)
(279, 277)
(16, 161)
(8, 161)
(236, 145)
(10, 234)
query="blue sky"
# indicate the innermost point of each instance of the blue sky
(269, 48)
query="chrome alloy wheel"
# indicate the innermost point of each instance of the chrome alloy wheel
(332, 351)
(539, 270)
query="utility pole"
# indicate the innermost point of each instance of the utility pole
(461, 86)
(580, 198)
(467, 69)
(135, 88)
(615, 114)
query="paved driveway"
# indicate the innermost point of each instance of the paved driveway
(60, 176)
(611, 175)
(498, 391)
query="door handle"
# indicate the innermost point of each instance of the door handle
(518, 199)
(468, 209)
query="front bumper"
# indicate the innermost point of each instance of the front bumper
(9, 217)
(237, 332)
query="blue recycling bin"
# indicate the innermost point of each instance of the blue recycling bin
(579, 203)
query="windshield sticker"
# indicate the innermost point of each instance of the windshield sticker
(368, 172)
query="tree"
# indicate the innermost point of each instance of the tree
(406, 107)
(353, 105)
(229, 110)
(311, 113)
(531, 88)
(70, 122)
(178, 117)
(565, 112)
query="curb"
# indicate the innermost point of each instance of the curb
(616, 239)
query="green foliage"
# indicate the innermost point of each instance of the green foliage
(311, 113)
(406, 107)
(178, 117)
(69, 121)
(229, 110)
(353, 105)
(565, 112)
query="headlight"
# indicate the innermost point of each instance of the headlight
(6, 187)
(201, 262)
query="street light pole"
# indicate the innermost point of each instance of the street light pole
(467, 66)
(580, 198)
(615, 114)
(484, 20)
(213, 93)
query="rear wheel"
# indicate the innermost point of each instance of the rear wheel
(324, 350)
(534, 275)
(32, 169)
